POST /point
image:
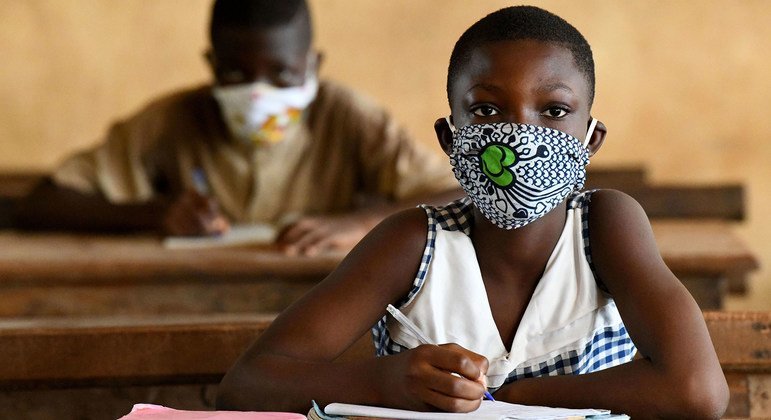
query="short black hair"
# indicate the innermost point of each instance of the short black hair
(258, 14)
(517, 23)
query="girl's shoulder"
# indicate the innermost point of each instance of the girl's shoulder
(609, 203)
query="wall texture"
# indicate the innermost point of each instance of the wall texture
(682, 86)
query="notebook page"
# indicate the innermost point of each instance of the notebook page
(489, 410)
(238, 235)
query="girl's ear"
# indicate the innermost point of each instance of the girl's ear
(444, 135)
(597, 137)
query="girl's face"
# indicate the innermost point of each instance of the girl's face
(524, 81)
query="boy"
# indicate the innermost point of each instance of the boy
(267, 141)
(539, 292)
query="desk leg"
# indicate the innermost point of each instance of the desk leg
(759, 387)
(737, 284)
(739, 404)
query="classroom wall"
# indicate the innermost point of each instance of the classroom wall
(682, 86)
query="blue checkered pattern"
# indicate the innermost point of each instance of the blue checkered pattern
(608, 347)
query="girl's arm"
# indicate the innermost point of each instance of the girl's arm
(293, 361)
(678, 373)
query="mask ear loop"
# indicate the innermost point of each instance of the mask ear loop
(452, 127)
(589, 131)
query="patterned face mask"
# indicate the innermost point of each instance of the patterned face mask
(516, 173)
(262, 113)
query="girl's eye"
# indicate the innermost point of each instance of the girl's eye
(555, 112)
(485, 111)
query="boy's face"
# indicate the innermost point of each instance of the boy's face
(524, 81)
(278, 56)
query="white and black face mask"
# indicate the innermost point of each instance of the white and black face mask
(516, 173)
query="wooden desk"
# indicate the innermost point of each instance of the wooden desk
(704, 255)
(743, 344)
(65, 275)
(55, 258)
(55, 274)
(103, 365)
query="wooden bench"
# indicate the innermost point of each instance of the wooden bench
(725, 201)
(98, 367)
(178, 361)
(722, 202)
(19, 183)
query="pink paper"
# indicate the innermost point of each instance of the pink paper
(159, 412)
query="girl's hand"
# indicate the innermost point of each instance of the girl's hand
(447, 377)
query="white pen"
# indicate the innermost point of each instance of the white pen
(199, 181)
(409, 325)
(416, 332)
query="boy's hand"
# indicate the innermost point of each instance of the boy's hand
(192, 214)
(446, 377)
(313, 234)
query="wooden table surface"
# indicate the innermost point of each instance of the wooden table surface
(141, 357)
(41, 257)
(58, 274)
(686, 246)
(703, 247)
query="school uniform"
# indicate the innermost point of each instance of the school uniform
(570, 326)
(346, 149)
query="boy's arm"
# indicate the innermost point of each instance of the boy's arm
(396, 170)
(678, 374)
(293, 362)
(49, 206)
(313, 234)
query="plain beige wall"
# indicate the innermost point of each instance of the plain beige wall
(682, 86)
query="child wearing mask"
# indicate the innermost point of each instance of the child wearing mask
(267, 140)
(529, 287)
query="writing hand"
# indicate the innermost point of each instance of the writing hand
(447, 377)
(193, 214)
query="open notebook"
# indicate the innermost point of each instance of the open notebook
(238, 235)
(489, 410)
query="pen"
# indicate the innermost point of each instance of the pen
(199, 181)
(417, 333)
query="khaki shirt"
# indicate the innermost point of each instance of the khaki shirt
(347, 149)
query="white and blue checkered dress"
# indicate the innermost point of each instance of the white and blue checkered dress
(570, 326)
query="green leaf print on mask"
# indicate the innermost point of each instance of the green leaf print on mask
(496, 161)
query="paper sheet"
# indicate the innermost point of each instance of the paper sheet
(238, 235)
(489, 410)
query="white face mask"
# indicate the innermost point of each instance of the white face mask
(262, 113)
